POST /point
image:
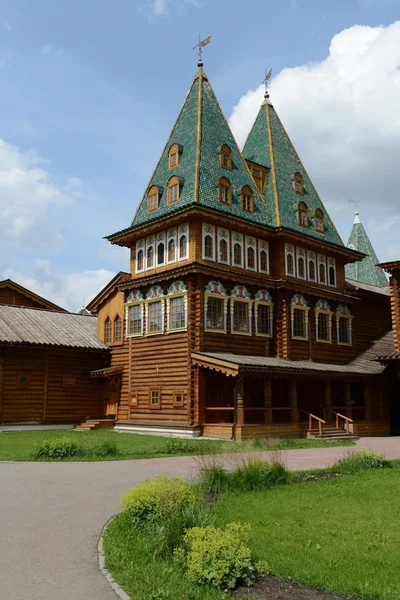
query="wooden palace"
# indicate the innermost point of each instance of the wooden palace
(243, 312)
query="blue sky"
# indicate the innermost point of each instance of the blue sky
(90, 91)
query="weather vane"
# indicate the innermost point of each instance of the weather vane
(200, 46)
(265, 82)
(355, 202)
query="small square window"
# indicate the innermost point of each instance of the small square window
(178, 399)
(154, 398)
(68, 380)
(23, 379)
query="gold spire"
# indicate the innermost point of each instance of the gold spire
(200, 47)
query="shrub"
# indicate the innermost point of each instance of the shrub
(178, 446)
(170, 533)
(362, 459)
(105, 448)
(214, 479)
(156, 499)
(219, 558)
(257, 474)
(57, 449)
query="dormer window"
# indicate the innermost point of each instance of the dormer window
(226, 156)
(173, 190)
(302, 214)
(173, 156)
(153, 198)
(247, 199)
(319, 221)
(298, 187)
(224, 191)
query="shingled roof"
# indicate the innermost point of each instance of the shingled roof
(200, 130)
(269, 145)
(366, 270)
(23, 326)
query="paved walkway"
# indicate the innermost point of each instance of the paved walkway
(51, 516)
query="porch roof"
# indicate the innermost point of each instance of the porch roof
(231, 364)
(107, 371)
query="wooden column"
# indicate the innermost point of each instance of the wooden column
(294, 416)
(267, 400)
(347, 400)
(239, 403)
(367, 402)
(328, 401)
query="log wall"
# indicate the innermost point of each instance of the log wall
(45, 398)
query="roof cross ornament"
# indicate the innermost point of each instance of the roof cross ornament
(356, 206)
(265, 82)
(200, 46)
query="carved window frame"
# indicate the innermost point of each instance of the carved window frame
(223, 235)
(225, 150)
(208, 231)
(177, 289)
(134, 299)
(312, 258)
(224, 189)
(174, 189)
(319, 218)
(263, 246)
(237, 238)
(215, 289)
(299, 303)
(160, 239)
(108, 331)
(331, 265)
(290, 251)
(263, 298)
(302, 215)
(321, 260)
(301, 256)
(150, 244)
(183, 231)
(322, 308)
(343, 312)
(247, 192)
(153, 193)
(175, 150)
(152, 392)
(251, 242)
(140, 247)
(240, 295)
(172, 236)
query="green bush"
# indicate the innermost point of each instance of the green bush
(179, 446)
(217, 557)
(169, 534)
(362, 459)
(57, 449)
(257, 474)
(156, 499)
(214, 479)
(104, 449)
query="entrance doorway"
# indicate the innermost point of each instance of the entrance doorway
(110, 404)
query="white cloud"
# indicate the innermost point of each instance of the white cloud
(343, 116)
(68, 290)
(27, 193)
(162, 8)
(49, 49)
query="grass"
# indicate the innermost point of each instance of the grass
(340, 535)
(20, 445)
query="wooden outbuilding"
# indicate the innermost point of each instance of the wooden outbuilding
(46, 359)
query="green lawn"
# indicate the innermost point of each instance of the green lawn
(341, 535)
(19, 445)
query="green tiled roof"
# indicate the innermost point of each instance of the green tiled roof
(269, 145)
(214, 131)
(364, 271)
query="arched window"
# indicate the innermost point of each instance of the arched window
(247, 199)
(289, 253)
(332, 271)
(208, 247)
(302, 214)
(263, 261)
(224, 191)
(173, 190)
(182, 247)
(153, 198)
(226, 156)
(223, 251)
(108, 331)
(251, 258)
(117, 329)
(301, 270)
(312, 273)
(237, 254)
(298, 187)
(140, 261)
(173, 156)
(319, 221)
(150, 257)
(160, 253)
(322, 273)
(171, 250)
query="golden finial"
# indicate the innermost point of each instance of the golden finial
(265, 82)
(200, 46)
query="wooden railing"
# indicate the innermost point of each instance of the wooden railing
(312, 417)
(347, 421)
